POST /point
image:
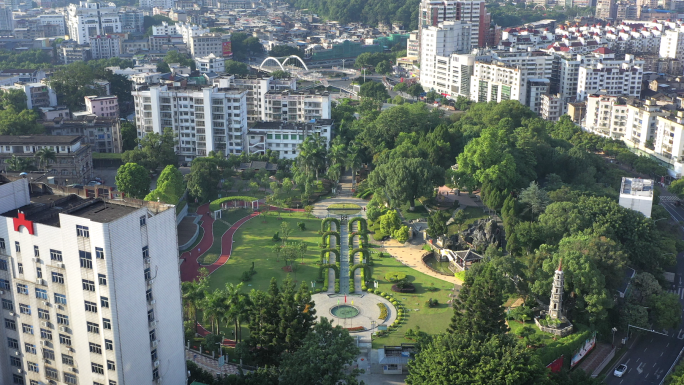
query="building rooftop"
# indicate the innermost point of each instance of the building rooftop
(8, 140)
(637, 187)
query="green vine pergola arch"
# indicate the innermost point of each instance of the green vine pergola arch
(327, 221)
(364, 252)
(337, 255)
(324, 268)
(363, 224)
(325, 238)
(363, 267)
(362, 236)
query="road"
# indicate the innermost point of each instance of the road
(651, 355)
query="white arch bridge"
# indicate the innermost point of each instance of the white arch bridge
(284, 62)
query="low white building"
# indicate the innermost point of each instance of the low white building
(211, 63)
(285, 137)
(637, 194)
(38, 94)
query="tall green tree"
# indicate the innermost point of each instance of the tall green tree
(193, 294)
(72, 83)
(374, 90)
(129, 136)
(459, 358)
(45, 157)
(133, 180)
(324, 358)
(14, 98)
(19, 123)
(204, 179)
(405, 180)
(478, 310)
(437, 223)
(170, 186)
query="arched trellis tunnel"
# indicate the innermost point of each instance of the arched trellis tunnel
(282, 64)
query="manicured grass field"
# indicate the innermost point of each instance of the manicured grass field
(543, 338)
(344, 206)
(471, 215)
(431, 320)
(253, 243)
(418, 212)
(214, 252)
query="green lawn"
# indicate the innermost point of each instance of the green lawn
(540, 337)
(471, 215)
(344, 206)
(220, 227)
(431, 320)
(253, 243)
(197, 241)
(418, 212)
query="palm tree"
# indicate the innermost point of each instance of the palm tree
(233, 295)
(353, 160)
(312, 154)
(193, 296)
(338, 152)
(215, 307)
(45, 155)
(19, 164)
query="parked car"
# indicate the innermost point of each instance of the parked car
(620, 370)
(94, 183)
(78, 186)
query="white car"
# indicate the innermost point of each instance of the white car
(620, 370)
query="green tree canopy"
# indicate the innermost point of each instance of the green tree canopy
(14, 98)
(129, 136)
(170, 186)
(405, 180)
(374, 90)
(133, 180)
(204, 178)
(478, 310)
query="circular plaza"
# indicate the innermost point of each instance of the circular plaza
(360, 312)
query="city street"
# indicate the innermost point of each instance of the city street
(650, 356)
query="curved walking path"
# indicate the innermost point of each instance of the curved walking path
(410, 255)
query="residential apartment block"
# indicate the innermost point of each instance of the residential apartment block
(103, 134)
(257, 87)
(90, 290)
(103, 106)
(433, 12)
(38, 94)
(90, 18)
(74, 158)
(285, 137)
(105, 47)
(296, 106)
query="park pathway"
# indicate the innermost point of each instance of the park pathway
(332, 260)
(190, 266)
(344, 259)
(357, 259)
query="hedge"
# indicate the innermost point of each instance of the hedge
(324, 260)
(566, 346)
(328, 220)
(363, 224)
(383, 311)
(325, 238)
(216, 205)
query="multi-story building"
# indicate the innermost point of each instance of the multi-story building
(257, 87)
(77, 308)
(89, 18)
(132, 20)
(102, 134)
(438, 45)
(606, 116)
(285, 137)
(6, 21)
(164, 29)
(56, 20)
(669, 143)
(74, 160)
(203, 118)
(642, 123)
(188, 31)
(494, 81)
(71, 52)
(38, 94)
(433, 12)
(612, 78)
(672, 44)
(207, 44)
(551, 107)
(163, 4)
(103, 106)
(105, 47)
(296, 106)
(606, 9)
(211, 63)
(449, 75)
(159, 42)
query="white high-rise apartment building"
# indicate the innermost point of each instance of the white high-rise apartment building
(672, 44)
(105, 47)
(54, 19)
(6, 19)
(89, 18)
(163, 4)
(434, 12)
(203, 118)
(207, 44)
(188, 31)
(450, 75)
(606, 116)
(257, 88)
(296, 106)
(620, 78)
(438, 44)
(496, 82)
(164, 29)
(90, 291)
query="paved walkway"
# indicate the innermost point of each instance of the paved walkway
(209, 364)
(410, 255)
(190, 266)
(344, 259)
(366, 303)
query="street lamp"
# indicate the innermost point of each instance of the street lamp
(614, 329)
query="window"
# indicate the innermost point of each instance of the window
(104, 302)
(22, 289)
(3, 265)
(70, 378)
(86, 259)
(96, 368)
(82, 231)
(4, 284)
(39, 272)
(109, 345)
(155, 374)
(60, 299)
(154, 355)
(145, 252)
(102, 279)
(45, 334)
(57, 278)
(150, 315)
(93, 328)
(10, 324)
(24, 309)
(88, 285)
(148, 295)
(99, 253)
(64, 340)
(153, 336)
(95, 348)
(15, 361)
(36, 251)
(110, 365)
(148, 274)
(21, 268)
(30, 348)
(51, 372)
(17, 247)
(33, 382)
(12, 343)
(41, 294)
(143, 221)
(7, 304)
(56, 255)
(2, 243)
(112, 382)
(26, 328)
(32, 367)
(62, 319)
(106, 324)
(43, 314)
(48, 354)
(91, 306)
(67, 360)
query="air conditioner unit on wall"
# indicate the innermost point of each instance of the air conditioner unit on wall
(156, 364)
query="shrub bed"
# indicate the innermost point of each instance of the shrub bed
(383, 311)
(408, 288)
